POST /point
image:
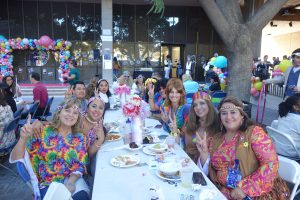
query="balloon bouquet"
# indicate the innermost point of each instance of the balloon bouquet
(44, 43)
(219, 63)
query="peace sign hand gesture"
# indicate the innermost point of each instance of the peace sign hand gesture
(173, 124)
(27, 129)
(151, 92)
(96, 92)
(201, 143)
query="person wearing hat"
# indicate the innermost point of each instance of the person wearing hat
(74, 74)
(291, 78)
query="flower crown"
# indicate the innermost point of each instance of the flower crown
(201, 95)
(152, 80)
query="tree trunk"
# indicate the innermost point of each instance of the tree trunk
(240, 60)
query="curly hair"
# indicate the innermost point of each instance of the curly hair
(56, 123)
(177, 84)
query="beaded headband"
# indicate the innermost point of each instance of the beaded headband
(230, 107)
(102, 80)
(64, 106)
(201, 95)
(296, 54)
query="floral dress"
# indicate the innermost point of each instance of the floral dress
(258, 182)
(6, 116)
(54, 157)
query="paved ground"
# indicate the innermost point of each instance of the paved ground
(12, 187)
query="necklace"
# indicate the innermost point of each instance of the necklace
(89, 120)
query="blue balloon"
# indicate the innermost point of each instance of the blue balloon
(220, 62)
(2, 38)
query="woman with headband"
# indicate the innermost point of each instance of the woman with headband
(243, 160)
(202, 119)
(175, 110)
(60, 154)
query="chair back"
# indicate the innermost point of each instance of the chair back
(289, 170)
(18, 112)
(281, 139)
(274, 124)
(48, 106)
(33, 108)
(217, 97)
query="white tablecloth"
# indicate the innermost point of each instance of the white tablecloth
(133, 183)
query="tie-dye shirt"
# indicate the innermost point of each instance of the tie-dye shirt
(54, 157)
(261, 180)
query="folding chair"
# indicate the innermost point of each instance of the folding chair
(281, 139)
(217, 97)
(33, 108)
(48, 107)
(8, 128)
(289, 170)
(18, 112)
(274, 124)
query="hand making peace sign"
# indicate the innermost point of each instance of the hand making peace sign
(27, 129)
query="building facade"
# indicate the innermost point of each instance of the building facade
(138, 40)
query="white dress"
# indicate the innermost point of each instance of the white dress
(188, 67)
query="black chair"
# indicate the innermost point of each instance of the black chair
(4, 152)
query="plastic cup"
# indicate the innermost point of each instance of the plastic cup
(186, 176)
(170, 141)
(126, 138)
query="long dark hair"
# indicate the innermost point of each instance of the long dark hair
(239, 104)
(3, 88)
(212, 122)
(101, 80)
(288, 105)
(11, 87)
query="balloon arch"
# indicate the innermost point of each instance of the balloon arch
(44, 43)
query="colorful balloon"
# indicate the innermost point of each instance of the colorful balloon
(283, 65)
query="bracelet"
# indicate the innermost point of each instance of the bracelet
(175, 134)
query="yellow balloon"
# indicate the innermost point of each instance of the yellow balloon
(276, 67)
(223, 86)
(283, 65)
(212, 59)
(258, 85)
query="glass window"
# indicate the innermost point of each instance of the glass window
(74, 22)
(30, 19)
(128, 26)
(15, 19)
(45, 18)
(142, 23)
(59, 20)
(87, 21)
(179, 24)
(167, 24)
(125, 53)
(154, 54)
(98, 28)
(155, 26)
(4, 19)
(141, 54)
(117, 23)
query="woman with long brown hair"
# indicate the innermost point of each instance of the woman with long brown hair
(202, 119)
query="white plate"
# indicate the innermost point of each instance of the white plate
(119, 137)
(165, 178)
(124, 161)
(147, 151)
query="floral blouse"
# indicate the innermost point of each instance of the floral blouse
(54, 157)
(6, 116)
(261, 180)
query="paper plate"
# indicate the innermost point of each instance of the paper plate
(124, 161)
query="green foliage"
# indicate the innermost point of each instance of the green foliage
(157, 7)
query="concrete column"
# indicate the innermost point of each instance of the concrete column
(107, 39)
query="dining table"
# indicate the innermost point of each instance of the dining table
(143, 181)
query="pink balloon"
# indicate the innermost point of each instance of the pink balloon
(253, 91)
(45, 41)
(256, 94)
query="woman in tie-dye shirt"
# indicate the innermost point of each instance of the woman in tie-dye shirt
(60, 154)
